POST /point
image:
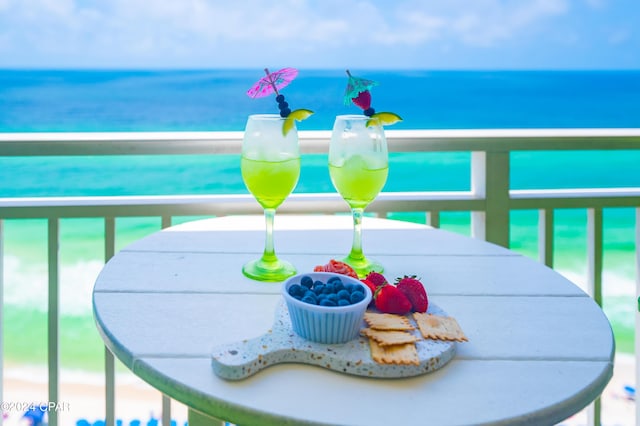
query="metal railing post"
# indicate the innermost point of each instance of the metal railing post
(165, 222)
(109, 360)
(594, 285)
(545, 237)
(490, 180)
(53, 317)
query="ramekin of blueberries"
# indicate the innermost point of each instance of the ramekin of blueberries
(326, 307)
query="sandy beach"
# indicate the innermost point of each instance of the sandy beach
(82, 396)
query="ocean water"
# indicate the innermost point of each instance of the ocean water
(87, 101)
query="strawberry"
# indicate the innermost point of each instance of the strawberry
(411, 287)
(372, 287)
(377, 279)
(363, 100)
(390, 300)
(369, 284)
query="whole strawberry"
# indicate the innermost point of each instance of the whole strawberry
(369, 284)
(411, 287)
(390, 300)
(377, 279)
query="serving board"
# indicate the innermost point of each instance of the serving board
(281, 344)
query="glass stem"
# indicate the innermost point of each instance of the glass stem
(269, 254)
(356, 248)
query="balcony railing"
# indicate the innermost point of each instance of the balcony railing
(490, 200)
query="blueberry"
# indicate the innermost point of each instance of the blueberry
(343, 294)
(309, 300)
(283, 105)
(280, 98)
(332, 297)
(352, 287)
(343, 302)
(369, 112)
(356, 297)
(318, 288)
(310, 294)
(285, 112)
(328, 289)
(339, 287)
(306, 281)
(296, 290)
(327, 302)
(334, 280)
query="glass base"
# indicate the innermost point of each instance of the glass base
(363, 265)
(274, 271)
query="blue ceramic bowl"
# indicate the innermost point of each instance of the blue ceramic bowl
(326, 324)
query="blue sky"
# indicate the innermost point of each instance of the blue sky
(402, 34)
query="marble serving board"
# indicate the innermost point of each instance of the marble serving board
(242, 359)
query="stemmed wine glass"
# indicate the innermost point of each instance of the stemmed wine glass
(358, 166)
(270, 165)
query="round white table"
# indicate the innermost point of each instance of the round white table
(539, 348)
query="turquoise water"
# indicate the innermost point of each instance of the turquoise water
(34, 101)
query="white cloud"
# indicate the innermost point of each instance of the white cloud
(224, 32)
(488, 22)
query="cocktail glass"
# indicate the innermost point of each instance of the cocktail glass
(358, 166)
(270, 165)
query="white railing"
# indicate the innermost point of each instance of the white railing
(490, 200)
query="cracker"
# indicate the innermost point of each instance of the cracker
(389, 337)
(405, 354)
(387, 321)
(439, 328)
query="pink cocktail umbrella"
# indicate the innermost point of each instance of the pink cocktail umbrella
(269, 85)
(272, 82)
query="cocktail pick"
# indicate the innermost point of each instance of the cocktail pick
(270, 84)
(358, 92)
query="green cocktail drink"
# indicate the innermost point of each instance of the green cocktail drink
(270, 166)
(359, 180)
(270, 182)
(358, 166)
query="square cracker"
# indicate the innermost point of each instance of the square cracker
(405, 354)
(387, 321)
(439, 328)
(389, 337)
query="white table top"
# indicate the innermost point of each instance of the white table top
(539, 348)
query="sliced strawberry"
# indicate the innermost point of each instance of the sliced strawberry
(337, 267)
(377, 279)
(390, 300)
(363, 100)
(411, 287)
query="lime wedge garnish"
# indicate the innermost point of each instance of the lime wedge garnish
(297, 115)
(383, 119)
